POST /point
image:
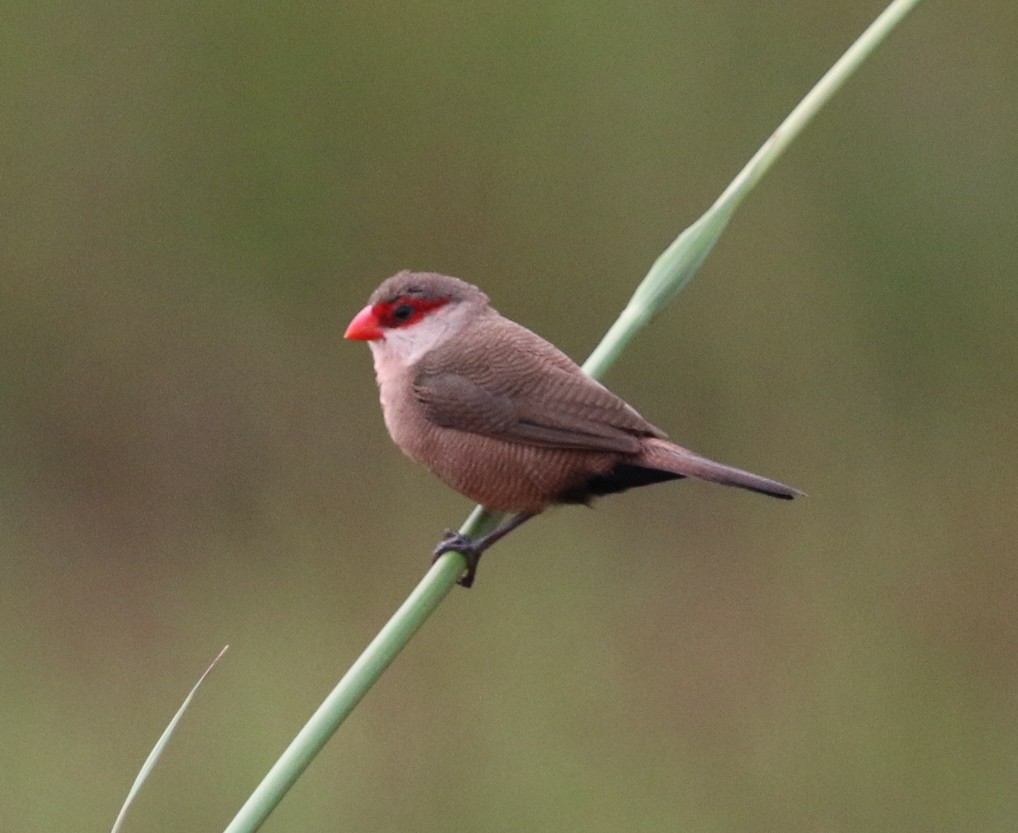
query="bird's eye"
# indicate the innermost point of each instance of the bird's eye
(402, 312)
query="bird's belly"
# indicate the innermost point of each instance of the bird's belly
(504, 476)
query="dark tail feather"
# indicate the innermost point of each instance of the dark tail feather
(668, 457)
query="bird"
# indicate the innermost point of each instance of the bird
(503, 416)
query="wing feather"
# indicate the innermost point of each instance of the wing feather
(524, 390)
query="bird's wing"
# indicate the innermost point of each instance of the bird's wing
(522, 389)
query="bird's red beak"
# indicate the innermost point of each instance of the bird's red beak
(365, 326)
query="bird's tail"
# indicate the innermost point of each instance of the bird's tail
(666, 456)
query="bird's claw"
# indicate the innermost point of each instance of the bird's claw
(454, 541)
(466, 546)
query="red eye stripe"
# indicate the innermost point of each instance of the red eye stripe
(405, 310)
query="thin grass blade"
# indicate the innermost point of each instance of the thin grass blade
(164, 739)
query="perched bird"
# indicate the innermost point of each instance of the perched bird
(503, 416)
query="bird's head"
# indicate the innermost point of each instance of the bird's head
(414, 312)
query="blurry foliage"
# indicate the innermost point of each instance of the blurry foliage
(196, 198)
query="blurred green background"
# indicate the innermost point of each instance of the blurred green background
(195, 200)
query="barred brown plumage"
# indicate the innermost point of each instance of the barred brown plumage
(503, 416)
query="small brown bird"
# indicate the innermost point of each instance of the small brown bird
(504, 417)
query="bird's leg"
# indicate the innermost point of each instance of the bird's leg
(472, 548)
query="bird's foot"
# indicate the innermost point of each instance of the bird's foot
(466, 546)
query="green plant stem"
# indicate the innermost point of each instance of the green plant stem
(680, 261)
(667, 277)
(382, 650)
